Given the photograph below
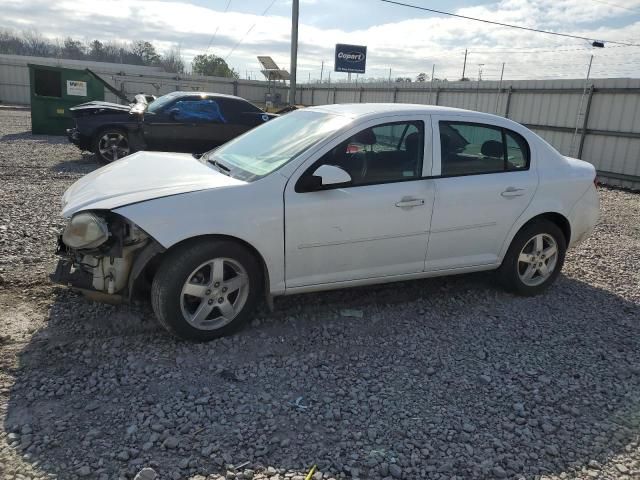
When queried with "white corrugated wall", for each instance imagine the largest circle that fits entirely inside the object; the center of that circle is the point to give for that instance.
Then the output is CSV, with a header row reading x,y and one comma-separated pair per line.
x,y
552,108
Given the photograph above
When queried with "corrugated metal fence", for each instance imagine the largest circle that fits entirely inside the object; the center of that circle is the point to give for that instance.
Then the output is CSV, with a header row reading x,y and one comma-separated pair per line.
x,y
598,121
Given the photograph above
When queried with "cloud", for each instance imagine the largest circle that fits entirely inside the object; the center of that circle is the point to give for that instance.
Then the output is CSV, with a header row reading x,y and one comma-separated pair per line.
x,y
407,46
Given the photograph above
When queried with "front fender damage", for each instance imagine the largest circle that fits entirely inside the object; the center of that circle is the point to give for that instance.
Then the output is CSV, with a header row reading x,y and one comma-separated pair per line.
x,y
111,272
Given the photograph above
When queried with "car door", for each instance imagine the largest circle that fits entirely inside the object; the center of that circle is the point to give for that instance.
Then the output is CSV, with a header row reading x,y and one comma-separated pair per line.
x,y
170,129
481,188
240,116
375,226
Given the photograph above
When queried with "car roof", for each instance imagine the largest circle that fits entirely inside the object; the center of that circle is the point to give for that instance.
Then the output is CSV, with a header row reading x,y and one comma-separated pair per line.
x,y
357,110
205,94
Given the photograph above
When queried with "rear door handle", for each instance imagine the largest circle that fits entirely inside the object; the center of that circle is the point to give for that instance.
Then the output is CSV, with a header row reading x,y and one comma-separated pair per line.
x,y
410,202
513,192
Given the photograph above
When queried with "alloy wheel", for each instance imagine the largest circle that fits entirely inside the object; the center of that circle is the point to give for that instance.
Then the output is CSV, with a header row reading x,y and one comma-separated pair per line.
x,y
537,260
214,293
113,145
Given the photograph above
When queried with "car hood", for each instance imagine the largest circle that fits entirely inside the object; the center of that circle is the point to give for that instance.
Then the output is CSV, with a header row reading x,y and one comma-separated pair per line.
x,y
139,177
98,105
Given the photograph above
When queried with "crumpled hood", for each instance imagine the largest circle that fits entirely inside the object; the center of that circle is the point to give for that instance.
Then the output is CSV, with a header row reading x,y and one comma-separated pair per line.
x,y
139,177
100,106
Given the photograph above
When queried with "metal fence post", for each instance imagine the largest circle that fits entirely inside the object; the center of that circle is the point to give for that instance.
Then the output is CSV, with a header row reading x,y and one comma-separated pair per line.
x,y
437,95
335,93
235,88
506,110
585,122
395,94
361,92
313,91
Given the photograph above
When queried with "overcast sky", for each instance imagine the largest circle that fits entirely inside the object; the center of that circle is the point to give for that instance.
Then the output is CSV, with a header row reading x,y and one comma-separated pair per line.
x,y
406,40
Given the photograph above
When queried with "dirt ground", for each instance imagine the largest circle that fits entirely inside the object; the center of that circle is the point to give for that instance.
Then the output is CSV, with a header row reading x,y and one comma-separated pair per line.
x,y
442,378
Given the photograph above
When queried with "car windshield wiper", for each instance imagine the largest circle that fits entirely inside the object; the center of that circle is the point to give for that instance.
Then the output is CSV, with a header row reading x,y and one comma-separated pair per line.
x,y
222,168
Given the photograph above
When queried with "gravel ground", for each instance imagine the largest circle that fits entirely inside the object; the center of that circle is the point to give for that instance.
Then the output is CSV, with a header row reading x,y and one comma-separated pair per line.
x,y
442,378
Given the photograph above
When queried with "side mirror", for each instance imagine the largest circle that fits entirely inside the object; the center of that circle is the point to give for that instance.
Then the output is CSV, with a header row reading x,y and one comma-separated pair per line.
x,y
324,176
332,175
173,113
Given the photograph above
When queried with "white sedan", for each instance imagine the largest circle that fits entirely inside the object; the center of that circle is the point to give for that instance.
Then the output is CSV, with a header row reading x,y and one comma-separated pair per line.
x,y
324,198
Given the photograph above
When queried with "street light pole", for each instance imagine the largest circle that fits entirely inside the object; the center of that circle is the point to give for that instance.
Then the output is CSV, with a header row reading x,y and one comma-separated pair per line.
x,y
295,4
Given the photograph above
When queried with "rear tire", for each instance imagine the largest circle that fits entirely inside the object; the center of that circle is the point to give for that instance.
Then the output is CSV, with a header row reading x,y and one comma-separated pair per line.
x,y
111,144
206,289
534,259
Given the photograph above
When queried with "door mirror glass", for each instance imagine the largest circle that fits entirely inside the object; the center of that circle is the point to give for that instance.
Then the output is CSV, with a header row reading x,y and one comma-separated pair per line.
x,y
332,175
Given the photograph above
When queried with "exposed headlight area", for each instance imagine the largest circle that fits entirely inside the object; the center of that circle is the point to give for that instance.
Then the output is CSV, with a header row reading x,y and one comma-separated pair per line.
x,y
98,250
85,231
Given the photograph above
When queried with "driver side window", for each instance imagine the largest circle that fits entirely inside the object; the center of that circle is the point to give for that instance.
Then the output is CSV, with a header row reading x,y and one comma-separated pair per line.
x,y
201,110
385,153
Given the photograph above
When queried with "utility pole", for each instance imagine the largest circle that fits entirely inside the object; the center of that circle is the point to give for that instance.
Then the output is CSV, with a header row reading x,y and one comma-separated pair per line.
x,y
588,72
295,4
464,66
499,88
579,114
433,70
478,85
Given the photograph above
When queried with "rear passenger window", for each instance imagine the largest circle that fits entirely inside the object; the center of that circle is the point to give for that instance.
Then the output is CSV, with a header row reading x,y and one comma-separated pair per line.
x,y
517,151
472,149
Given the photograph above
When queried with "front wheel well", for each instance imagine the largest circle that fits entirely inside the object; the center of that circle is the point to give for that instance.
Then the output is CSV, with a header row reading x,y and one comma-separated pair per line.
x,y
145,278
558,219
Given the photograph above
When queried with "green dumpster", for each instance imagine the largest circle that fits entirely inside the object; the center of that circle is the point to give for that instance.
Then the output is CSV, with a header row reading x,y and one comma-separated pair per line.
x,y
53,91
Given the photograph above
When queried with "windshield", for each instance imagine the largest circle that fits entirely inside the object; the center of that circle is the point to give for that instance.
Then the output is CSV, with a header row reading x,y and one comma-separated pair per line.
x,y
159,103
269,146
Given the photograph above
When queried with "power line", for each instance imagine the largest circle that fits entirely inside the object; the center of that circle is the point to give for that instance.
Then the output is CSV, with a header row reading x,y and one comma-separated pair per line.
x,y
528,50
249,31
616,5
217,28
505,24
532,51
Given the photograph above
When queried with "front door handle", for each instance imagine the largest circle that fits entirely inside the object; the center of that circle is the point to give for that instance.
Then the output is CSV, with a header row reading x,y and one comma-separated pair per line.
x,y
408,202
513,192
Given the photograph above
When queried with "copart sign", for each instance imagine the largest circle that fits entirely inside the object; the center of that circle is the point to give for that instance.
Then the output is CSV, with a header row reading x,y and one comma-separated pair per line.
x,y
350,58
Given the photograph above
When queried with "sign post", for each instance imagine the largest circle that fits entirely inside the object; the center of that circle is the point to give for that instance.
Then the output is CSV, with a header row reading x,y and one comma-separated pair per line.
x,y
350,58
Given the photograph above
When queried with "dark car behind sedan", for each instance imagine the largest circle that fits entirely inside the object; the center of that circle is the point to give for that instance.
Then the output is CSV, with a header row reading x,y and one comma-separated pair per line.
x,y
191,122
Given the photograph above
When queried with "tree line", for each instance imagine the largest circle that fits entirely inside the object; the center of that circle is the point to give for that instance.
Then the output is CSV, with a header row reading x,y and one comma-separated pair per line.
x,y
140,52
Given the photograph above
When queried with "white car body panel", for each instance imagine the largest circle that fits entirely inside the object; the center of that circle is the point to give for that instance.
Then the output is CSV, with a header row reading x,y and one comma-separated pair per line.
x,y
354,235
250,212
461,233
357,233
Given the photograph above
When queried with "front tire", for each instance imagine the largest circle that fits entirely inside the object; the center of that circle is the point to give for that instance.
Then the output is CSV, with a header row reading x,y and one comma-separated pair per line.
x,y
534,259
111,144
206,289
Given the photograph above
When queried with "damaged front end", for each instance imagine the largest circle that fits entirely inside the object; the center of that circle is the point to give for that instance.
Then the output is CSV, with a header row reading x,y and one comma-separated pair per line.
x,y
103,254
